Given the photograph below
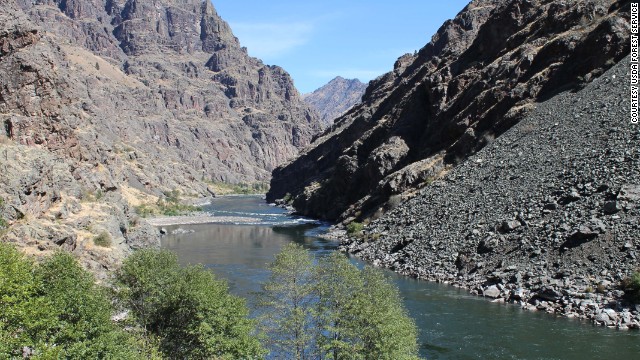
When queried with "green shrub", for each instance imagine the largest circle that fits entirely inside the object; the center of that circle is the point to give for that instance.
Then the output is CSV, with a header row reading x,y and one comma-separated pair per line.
x,y
172,196
103,239
189,311
631,287
354,228
144,210
56,310
91,196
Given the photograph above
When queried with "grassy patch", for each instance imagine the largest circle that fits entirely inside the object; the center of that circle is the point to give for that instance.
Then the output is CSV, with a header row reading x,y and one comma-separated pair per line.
x,y
221,188
631,287
91,196
170,206
103,240
355,228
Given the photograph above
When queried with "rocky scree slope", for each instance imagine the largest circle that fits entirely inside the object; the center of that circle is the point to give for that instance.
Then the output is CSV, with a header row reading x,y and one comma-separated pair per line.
x,y
477,78
105,105
335,98
547,215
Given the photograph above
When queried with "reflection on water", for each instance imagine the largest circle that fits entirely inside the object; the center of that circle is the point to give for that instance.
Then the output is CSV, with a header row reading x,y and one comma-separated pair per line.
x,y
453,324
239,253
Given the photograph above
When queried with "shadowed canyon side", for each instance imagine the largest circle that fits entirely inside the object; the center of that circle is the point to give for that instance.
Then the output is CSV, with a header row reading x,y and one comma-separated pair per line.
x,y
546,216
107,104
335,98
478,77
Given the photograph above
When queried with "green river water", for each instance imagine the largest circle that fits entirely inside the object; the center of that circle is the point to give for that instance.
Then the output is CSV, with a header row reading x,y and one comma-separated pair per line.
x,y
452,323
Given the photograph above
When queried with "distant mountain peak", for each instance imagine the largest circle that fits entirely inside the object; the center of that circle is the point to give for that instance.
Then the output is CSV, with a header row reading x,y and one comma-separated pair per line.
x,y
335,98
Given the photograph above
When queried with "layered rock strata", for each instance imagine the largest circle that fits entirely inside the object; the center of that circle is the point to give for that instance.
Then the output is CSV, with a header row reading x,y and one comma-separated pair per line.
x,y
474,80
106,105
546,216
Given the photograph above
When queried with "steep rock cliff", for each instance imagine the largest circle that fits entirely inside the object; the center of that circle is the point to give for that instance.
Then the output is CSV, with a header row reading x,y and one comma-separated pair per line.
x,y
474,80
106,104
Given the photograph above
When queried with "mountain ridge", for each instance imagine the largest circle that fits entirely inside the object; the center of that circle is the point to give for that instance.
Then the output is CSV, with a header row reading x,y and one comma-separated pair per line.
x,y
335,98
110,105
473,81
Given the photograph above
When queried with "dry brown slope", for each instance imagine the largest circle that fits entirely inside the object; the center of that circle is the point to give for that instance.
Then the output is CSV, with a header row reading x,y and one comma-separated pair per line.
x,y
106,104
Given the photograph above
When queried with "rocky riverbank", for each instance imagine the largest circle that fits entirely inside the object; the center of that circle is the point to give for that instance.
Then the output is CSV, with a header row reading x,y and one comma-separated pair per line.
x,y
545,216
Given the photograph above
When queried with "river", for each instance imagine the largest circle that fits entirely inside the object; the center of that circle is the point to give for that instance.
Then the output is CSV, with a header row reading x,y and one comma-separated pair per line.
x,y
452,323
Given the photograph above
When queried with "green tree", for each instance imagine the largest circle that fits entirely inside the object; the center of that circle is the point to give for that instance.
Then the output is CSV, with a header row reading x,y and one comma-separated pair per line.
x,y
333,310
17,289
81,312
360,314
190,312
55,311
288,300
340,290
387,331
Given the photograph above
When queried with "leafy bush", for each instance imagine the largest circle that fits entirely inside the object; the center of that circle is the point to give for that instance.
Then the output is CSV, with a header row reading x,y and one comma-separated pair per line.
x,y
144,210
103,240
354,228
191,313
631,287
55,310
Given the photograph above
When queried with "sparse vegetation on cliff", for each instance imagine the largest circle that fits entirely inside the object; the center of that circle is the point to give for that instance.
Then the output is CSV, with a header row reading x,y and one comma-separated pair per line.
x,y
103,239
355,228
170,205
221,188
631,287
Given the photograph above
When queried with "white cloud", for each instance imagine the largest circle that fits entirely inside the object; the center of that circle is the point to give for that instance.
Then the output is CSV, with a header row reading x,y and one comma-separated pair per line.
x,y
272,40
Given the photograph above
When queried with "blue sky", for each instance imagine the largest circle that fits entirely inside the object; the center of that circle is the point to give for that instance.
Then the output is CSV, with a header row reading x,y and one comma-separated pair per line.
x,y
316,41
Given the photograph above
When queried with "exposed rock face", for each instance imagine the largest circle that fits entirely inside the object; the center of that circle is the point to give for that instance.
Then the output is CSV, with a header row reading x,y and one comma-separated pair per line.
x,y
472,82
547,215
335,98
133,96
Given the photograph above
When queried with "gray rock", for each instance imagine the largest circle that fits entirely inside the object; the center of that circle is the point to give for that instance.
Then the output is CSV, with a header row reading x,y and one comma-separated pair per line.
x,y
491,291
510,225
611,207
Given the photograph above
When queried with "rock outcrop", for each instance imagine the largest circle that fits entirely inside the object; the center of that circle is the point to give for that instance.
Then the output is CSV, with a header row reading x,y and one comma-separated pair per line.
x,y
335,98
477,78
546,215
106,104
